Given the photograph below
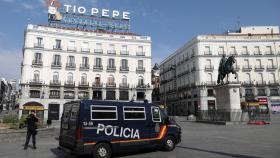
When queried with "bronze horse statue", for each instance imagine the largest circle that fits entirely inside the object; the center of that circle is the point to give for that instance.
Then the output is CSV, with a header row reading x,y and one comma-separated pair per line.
x,y
226,67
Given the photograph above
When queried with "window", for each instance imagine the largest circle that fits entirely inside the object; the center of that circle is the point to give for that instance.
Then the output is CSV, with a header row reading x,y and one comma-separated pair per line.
x,y
70,78
124,48
141,81
210,92
97,79
39,41
71,45
134,113
111,80
38,58
85,62
55,77
71,61
140,64
270,62
246,62
84,79
221,50
111,63
111,47
268,50
257,50
85,47
244,50
98,46
124,80
232,50
98,62
56,60
57,44
124,63
36,76
99,112
156,114
207,50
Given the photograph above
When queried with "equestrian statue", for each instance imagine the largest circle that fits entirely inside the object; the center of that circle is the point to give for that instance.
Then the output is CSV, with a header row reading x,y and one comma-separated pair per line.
x,y
226,67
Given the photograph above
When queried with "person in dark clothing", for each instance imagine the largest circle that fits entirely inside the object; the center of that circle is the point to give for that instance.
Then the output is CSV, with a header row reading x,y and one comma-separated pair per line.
x,y
31,129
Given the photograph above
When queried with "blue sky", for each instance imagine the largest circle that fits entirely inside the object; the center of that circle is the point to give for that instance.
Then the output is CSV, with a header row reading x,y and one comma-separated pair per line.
x,y
170,23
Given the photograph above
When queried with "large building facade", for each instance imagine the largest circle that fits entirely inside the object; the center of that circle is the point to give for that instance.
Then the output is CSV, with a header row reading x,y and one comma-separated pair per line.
x,y
189,75
63,64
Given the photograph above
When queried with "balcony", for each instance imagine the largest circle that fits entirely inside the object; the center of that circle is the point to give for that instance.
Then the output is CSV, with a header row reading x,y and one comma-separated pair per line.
x,y
54,96
69,96
111,68
140,69
210,83
84,67
233,53
97,85
271,67
69,84
112,52
259,68
247,83
209,68
247,68
85,50
207,53
140,53
55,83
221,53
142,86
71,49
84,84
269,53
34,94
123,85
257,53
83,95
273,83
98,51
38,45
124,53
245,53
97,67
124,69
111,85
56,65
236,67
57,48
35,82
260,83
70,66
37,63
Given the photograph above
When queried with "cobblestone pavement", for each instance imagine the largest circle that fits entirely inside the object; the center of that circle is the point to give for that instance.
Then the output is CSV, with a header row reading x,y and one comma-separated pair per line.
x,y
199,141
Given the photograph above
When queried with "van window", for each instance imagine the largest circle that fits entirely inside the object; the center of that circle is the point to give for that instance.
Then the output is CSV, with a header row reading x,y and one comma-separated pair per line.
x,y
99,112
134,113
156,114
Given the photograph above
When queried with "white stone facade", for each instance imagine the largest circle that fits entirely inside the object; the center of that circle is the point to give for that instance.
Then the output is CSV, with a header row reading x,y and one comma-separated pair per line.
x,y
103,66
190,73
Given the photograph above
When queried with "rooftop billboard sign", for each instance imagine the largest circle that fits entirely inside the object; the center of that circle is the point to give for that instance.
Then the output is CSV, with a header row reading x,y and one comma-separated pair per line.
x,y
94,18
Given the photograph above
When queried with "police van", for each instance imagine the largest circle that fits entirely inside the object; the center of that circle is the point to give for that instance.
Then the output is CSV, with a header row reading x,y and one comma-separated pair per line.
x,y
102,127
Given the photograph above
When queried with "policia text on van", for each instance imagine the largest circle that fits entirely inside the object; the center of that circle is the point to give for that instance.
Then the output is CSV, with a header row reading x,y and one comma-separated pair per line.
x,y
100,127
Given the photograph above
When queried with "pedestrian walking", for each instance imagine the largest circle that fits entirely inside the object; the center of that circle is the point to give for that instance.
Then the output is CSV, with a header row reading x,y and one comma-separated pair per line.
x,y
31,121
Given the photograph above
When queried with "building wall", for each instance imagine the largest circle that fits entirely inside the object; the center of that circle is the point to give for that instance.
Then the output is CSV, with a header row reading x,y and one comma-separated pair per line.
x,y
196,67
47,70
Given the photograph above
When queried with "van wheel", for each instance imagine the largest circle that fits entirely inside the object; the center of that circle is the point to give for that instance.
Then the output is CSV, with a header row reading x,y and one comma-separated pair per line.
x,y
169,143
102,150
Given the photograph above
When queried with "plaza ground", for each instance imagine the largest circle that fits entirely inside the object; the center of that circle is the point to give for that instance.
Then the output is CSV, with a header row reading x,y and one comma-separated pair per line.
x,y
199,141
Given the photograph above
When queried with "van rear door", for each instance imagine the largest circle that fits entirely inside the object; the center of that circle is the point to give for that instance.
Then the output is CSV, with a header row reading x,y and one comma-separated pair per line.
x,y
69,122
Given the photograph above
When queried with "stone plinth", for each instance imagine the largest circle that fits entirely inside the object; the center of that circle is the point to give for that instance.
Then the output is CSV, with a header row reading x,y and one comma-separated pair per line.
x,y
228,102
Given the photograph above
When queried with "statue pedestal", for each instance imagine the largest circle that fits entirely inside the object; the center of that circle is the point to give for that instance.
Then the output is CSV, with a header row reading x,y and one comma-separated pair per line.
x,y
228,102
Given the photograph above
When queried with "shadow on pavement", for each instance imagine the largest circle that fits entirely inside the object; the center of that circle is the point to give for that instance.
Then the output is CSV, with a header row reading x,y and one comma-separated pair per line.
x,y
219,153
60,154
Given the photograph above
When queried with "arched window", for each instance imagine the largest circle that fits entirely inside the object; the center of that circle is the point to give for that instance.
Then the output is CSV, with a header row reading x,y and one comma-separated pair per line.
x,y
260,78
97,79
247,77
140,81
70,78
111,80
36,76
55,77
124,80
209,78
84,79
